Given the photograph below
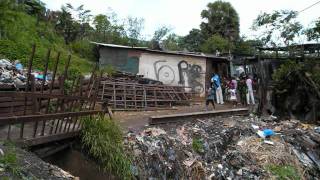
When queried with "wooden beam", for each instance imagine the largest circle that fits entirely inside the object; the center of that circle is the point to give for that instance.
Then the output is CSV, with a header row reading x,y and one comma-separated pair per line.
x,y
33,118
47,139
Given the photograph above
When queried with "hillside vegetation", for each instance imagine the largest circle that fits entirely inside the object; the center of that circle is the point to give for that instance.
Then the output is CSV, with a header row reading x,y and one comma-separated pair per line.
x,y
21,30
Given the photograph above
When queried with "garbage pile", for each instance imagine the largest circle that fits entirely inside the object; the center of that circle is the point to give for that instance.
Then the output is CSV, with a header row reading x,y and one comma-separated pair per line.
x,y
226,148
13,75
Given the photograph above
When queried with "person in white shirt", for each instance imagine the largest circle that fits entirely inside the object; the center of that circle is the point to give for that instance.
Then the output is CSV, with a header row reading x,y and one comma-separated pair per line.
x,y
250,91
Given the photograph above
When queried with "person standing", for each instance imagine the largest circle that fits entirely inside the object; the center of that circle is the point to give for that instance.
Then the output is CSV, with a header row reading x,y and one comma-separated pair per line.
x,y
250,91
242,89
217,84
233,91
210,98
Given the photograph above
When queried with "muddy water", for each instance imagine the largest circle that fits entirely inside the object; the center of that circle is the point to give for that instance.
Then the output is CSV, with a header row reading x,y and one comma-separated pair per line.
x,y
78,165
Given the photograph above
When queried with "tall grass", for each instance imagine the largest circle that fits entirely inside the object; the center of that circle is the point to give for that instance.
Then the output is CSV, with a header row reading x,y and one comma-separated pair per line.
x,y
103,139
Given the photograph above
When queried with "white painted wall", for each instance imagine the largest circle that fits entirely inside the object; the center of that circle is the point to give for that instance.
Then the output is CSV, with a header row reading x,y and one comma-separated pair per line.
x,y
165,68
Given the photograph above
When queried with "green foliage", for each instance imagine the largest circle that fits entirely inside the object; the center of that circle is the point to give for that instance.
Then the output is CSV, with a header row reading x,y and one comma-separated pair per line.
x,y
283,172
222,19
134,28
103,139
278,25
217,43
158,36
173,42
281,73
84,49
110,70
21,34
313,33
9,162
193,40
197,145
247,47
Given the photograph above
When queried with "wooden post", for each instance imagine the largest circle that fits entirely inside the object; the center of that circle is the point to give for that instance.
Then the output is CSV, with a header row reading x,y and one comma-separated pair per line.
x,y
124,96
11,111
35,106
145,97
27,87
45,70
114,96
50,90
135,96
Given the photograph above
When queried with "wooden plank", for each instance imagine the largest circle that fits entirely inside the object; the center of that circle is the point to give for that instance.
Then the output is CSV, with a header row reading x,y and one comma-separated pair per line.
x,y
48,139
33,118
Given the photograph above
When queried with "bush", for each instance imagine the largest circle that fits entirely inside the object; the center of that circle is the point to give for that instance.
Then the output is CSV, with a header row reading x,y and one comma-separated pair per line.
x,y
103,139
84,49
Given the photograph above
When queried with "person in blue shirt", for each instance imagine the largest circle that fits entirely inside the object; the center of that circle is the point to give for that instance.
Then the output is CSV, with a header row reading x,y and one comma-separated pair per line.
x,y
217,84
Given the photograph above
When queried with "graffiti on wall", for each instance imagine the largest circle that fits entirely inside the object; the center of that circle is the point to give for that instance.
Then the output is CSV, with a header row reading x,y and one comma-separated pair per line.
x,y
164,72
187,74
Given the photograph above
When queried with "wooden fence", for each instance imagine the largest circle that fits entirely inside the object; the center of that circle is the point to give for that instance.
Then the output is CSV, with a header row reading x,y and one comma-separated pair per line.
x,y
134,96
44,113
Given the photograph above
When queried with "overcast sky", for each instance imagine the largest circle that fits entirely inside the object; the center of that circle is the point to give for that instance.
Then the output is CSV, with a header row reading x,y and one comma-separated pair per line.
x,y
183,15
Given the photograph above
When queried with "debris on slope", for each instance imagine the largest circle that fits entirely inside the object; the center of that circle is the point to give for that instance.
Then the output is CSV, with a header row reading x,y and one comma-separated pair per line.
x,y
224,148
14,75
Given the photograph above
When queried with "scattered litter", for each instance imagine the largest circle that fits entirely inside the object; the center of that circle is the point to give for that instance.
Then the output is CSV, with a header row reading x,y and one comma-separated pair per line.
x,y
268,132
317,129
268,142
261,134
15,76
224,148
255,127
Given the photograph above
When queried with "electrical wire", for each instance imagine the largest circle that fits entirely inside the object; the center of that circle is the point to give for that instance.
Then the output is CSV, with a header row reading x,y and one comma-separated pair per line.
x,y
309,7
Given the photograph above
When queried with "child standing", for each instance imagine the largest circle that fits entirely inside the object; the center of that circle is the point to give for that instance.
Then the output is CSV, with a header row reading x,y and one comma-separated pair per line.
x,y
233,91
210,97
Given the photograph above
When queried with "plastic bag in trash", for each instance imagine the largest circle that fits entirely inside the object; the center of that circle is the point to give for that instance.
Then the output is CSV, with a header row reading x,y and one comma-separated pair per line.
x,y
5,64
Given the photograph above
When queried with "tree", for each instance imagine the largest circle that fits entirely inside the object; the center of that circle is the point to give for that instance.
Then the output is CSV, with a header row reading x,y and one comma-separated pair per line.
x,y
36,8
217,44
220,19
278,28
246,47
83,18
173,42
193,41
102,26
158,35
313,33
134,28
66,26
7,15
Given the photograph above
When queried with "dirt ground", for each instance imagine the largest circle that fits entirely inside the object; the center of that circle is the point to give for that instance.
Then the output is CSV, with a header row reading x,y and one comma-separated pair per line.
x,y
136,120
